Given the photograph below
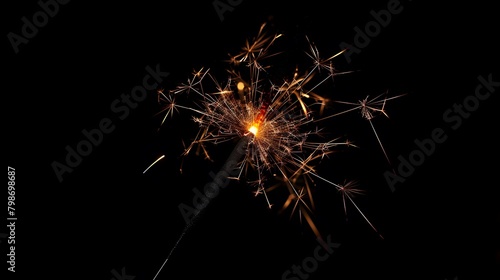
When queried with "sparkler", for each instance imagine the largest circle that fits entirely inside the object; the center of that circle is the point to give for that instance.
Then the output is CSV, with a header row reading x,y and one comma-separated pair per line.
x,y
279,115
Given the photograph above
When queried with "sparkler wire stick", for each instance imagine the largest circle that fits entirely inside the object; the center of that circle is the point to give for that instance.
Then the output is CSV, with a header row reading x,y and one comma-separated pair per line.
x,y
229,166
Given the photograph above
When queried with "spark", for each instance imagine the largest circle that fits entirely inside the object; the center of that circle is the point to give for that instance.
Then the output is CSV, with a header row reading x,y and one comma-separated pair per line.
x,y
281,114
154,162
368,108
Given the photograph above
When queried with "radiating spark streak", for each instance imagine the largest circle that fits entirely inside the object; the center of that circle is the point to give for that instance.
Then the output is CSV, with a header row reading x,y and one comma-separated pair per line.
x,y
158,159
366,219
379,142
312,225
297,201
326,180
309,193
266,197
336,114
345,207
318,84
261,188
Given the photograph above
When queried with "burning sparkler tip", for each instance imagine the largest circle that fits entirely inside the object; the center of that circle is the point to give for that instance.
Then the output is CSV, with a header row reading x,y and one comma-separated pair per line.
x,y
254,129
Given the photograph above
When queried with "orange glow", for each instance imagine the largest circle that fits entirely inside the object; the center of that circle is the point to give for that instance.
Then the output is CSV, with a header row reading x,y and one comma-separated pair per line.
x,y
240,86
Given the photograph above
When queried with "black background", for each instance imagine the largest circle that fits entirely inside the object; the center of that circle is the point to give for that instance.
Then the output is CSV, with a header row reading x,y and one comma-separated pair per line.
x,y
106,215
